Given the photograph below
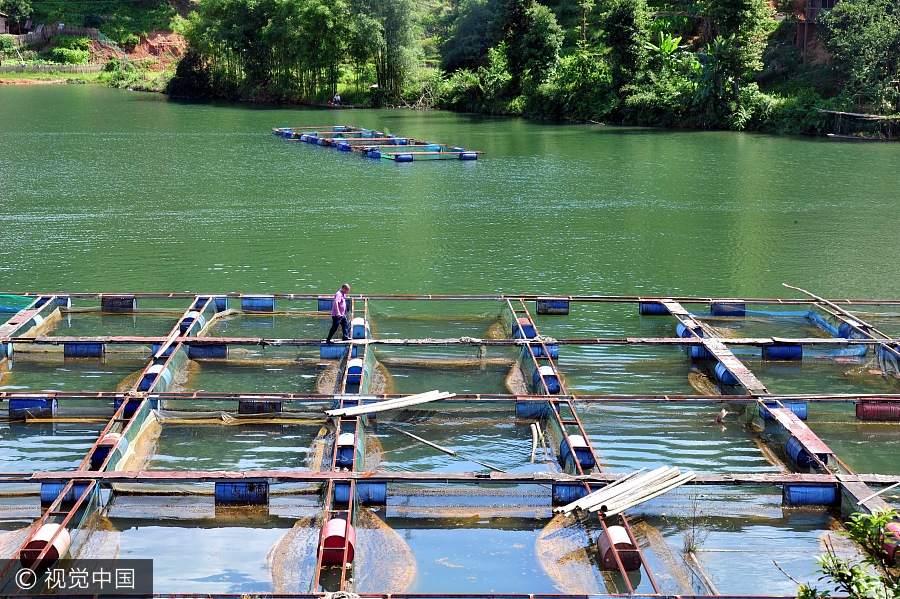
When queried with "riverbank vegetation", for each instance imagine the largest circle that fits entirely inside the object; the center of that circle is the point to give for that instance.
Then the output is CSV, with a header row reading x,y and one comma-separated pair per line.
x,y
684,63
717,64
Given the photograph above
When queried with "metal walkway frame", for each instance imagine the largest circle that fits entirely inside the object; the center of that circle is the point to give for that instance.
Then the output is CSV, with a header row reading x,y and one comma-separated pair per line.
x,y
78,489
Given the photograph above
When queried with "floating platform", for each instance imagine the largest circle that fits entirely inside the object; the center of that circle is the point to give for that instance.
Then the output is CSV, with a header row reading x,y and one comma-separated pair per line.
x,y
376,144
223,418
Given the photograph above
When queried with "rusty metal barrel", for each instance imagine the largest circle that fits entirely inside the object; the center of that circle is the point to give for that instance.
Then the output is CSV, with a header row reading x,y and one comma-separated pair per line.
x,y
878,411
617,536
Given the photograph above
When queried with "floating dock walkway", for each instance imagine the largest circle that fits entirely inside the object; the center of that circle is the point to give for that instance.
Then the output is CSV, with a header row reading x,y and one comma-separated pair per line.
x,y
375,144
540,394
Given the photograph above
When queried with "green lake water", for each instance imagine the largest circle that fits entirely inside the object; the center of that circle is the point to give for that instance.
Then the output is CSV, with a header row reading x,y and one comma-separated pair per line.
x,y
111,191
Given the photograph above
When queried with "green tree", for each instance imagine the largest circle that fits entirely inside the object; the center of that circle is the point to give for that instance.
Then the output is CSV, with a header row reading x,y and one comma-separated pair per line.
x,y
391,43
864,38
540,45
624,32
470,36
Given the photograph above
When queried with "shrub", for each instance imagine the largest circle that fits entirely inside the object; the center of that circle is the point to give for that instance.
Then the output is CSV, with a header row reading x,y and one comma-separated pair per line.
x,y
72,43
130,39
68,56
6,43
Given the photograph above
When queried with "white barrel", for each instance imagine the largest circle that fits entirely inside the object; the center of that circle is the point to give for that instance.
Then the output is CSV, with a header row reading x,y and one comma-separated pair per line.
x,y
55,548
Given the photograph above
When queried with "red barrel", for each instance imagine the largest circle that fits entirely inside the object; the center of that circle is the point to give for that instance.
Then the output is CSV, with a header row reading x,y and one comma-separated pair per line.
x,y
43,539
878,411
617,536
891,541
337,541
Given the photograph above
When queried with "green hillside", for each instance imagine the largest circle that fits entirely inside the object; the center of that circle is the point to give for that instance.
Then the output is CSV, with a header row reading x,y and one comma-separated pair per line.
x,y
735,64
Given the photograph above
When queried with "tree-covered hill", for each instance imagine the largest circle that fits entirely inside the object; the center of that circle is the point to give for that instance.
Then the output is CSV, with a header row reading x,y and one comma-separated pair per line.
x,y
738,64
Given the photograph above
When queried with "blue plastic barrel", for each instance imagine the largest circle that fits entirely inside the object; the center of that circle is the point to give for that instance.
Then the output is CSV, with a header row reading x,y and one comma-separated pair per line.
x,y
218,351
258,303
403,158
468,156
355,370
158,375
782,352
797,407
22,407
359,328
107,445
727,308
549,377
242,493
552,305
801,456
725,375
372,493
552,350
847,331
346,450
576,447
341,492
343,146
50,491
652,309
84,350
688,333
531,409
402,142
523,328
187,324
564,493
332,352
810,494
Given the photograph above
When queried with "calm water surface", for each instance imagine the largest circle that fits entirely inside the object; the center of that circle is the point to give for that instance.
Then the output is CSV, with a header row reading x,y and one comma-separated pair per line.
x,y
107,190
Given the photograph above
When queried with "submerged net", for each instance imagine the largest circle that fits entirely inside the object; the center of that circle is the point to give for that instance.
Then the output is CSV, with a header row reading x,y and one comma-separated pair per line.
x,y
14,303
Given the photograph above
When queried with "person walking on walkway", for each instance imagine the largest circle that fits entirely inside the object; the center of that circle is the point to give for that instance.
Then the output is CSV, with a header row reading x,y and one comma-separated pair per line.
x,y
339,314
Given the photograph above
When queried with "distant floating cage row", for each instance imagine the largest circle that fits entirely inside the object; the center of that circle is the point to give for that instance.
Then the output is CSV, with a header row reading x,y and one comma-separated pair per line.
x,y
375,144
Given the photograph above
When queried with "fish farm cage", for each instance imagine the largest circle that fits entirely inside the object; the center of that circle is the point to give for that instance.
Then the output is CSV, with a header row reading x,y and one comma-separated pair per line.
x,y
371,143
456,446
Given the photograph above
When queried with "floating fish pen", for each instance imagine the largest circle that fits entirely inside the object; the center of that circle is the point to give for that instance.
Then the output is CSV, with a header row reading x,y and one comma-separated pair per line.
x,y
502,445
375,144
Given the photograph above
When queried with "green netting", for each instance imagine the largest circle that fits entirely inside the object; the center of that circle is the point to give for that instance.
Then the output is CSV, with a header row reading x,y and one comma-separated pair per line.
x,y
13,303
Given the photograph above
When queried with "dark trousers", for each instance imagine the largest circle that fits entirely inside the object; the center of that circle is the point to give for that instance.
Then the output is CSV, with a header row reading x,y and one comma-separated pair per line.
x,y
339,321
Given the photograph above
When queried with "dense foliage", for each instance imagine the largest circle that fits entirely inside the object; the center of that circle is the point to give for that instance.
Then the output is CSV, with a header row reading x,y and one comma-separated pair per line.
x,y
677,63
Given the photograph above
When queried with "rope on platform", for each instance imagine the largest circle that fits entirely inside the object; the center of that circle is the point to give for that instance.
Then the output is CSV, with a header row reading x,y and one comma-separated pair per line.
x,y
341,595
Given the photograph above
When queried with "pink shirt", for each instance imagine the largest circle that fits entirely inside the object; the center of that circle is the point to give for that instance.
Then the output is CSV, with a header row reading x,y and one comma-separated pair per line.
x,y
338,306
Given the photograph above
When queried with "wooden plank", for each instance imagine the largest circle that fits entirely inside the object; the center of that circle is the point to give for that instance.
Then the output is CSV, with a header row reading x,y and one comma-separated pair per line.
x,y
797,428
18,320
746,378
860,494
